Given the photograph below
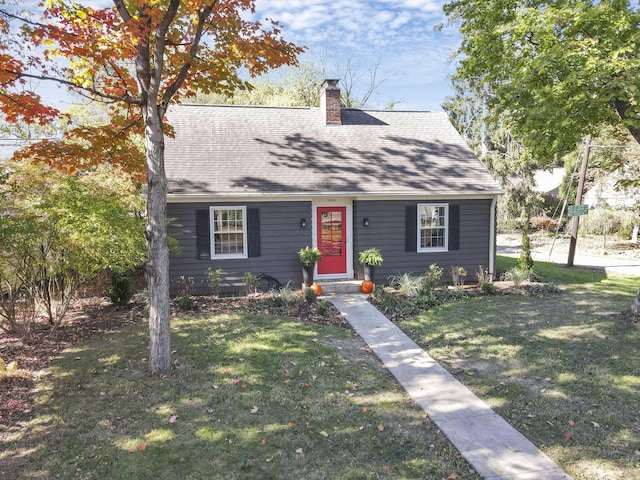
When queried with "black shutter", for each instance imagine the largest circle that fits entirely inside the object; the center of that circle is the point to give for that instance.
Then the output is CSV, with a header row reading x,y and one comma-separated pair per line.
x,y
203,234
411,228
253,232
454,227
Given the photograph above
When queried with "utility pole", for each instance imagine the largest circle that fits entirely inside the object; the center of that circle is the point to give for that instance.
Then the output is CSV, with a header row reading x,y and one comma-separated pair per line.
x,y
576,219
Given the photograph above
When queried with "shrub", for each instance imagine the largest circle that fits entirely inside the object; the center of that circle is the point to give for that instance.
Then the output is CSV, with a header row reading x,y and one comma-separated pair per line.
x,y
120,291
434,275
525,262
251,282
324,308
184,286
288,294
186,302
429,300
488,288
483,275
407,284
215,279
544,222
458,275
310,296
517,276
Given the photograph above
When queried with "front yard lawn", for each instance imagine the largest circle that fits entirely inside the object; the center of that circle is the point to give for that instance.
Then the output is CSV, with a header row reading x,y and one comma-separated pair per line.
x,y
564,369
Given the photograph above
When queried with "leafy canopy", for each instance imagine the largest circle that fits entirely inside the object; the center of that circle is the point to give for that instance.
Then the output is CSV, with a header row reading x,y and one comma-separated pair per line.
x,y
556,69
134,54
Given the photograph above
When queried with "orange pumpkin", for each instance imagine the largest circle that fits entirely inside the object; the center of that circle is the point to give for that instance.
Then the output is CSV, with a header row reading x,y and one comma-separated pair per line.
x,y
316,288
367,286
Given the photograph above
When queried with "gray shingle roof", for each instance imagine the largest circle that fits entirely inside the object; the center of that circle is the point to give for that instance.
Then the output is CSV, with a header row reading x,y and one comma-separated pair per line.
x,y
237,151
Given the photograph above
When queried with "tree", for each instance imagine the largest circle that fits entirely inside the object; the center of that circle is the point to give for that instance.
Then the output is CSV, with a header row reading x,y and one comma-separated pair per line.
x,y
143,55
301,86
504,156
559,70
59,230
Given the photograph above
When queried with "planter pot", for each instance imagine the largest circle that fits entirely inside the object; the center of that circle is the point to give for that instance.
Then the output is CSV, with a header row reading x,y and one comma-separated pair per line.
x,y
369,271
307,275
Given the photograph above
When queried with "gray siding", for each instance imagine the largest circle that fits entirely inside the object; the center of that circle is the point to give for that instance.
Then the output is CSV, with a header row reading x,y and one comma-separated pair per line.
x,y
386,231
280,239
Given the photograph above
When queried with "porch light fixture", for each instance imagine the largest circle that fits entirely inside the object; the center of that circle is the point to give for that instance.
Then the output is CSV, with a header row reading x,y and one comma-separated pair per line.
x,y
303,223
365,221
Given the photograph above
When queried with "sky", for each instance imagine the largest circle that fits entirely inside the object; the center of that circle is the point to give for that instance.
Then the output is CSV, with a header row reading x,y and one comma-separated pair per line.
x,y
414,57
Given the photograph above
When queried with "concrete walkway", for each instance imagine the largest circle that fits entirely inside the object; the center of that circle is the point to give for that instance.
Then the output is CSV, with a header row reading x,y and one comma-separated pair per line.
x,y
493,447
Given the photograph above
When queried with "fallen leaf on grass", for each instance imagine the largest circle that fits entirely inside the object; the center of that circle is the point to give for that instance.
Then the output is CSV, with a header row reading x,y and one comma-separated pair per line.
x,y
571,422
254,409
324,434
365,409
595,424
235,381
298,450
568,435
453,476
264,441
173,418
381,428
142,448
227,371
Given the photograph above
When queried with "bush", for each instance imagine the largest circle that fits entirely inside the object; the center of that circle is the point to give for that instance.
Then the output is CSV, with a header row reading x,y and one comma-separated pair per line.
x,y
458,275
310,296
324,308
215,279
120,291
517,276
544,222
525,262
488,287
407,284
434,275
251,282
186,302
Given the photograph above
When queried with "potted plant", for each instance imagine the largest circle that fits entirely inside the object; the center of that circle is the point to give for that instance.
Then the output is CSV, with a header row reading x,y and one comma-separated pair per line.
x,y
370,259
309,256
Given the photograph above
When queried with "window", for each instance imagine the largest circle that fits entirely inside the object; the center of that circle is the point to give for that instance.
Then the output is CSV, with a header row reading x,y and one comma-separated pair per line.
x,y
228,232
433,223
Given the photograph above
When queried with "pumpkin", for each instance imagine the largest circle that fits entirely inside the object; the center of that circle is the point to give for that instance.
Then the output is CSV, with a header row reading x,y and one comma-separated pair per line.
x,y
316,288
366,286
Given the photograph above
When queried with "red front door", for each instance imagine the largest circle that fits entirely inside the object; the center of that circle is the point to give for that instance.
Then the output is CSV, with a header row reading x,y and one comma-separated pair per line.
x,y
332,240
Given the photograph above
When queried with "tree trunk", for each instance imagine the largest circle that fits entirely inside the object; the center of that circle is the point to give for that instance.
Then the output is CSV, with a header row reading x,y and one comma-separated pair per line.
x,y
635,308
157,247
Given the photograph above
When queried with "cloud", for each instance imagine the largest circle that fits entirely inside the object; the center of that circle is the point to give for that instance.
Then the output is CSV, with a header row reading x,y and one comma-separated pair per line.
x,y
398,33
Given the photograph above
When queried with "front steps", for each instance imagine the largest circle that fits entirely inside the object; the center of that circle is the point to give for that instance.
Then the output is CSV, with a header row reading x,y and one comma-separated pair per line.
x,y
330,287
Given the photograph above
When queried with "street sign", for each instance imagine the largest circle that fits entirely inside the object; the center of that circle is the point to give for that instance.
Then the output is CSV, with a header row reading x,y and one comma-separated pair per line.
x,y
577,210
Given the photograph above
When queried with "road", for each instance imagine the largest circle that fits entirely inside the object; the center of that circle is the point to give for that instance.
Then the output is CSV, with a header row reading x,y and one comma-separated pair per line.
x,y
624,264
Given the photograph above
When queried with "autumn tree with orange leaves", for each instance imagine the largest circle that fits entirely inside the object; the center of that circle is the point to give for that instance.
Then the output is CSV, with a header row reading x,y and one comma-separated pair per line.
x,y
138,56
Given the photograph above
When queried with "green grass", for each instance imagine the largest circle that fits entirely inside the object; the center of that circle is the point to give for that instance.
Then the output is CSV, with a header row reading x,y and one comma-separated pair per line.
x,y
563,369
251,396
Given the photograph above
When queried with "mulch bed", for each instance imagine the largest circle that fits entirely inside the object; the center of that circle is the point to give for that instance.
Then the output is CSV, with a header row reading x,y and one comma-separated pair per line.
x,y
88,317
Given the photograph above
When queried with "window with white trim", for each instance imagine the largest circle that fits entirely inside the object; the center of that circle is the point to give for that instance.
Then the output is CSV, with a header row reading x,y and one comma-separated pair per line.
x,y
433,227
228,232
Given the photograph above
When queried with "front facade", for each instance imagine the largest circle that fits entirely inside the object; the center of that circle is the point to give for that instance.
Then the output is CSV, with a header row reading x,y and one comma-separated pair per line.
x,y
250,186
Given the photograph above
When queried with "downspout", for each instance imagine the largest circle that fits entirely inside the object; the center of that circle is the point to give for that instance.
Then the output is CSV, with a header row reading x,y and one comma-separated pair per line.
x,y
492,237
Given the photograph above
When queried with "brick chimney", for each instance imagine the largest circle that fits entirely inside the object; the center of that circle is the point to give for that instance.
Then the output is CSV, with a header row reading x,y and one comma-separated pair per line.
x,y
330,102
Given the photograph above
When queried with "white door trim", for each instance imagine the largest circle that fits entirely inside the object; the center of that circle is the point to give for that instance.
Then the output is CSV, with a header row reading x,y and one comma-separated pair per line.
x,y
335,202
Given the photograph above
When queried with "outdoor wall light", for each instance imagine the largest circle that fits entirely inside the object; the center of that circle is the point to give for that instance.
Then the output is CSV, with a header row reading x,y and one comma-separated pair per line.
x,y
303,223
365,221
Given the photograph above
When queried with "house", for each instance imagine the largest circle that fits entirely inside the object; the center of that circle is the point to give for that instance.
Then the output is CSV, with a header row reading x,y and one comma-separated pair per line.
x,y
248,187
